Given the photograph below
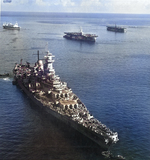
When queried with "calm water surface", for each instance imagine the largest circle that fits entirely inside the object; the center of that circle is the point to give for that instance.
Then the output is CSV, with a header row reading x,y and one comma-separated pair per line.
x,y
110,76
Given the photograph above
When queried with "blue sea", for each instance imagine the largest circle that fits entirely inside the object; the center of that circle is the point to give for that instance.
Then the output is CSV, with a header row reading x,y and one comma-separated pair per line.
x,y
110,76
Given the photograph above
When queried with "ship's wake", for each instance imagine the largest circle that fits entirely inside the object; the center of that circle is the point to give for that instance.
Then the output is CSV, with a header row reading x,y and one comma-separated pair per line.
x,y
6,79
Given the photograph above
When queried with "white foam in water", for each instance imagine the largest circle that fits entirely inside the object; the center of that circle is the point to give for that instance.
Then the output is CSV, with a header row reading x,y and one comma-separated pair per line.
x,y
6,79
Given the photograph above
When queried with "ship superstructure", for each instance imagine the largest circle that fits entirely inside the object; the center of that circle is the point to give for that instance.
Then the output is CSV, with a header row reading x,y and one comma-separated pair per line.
x,y
80,36
46,89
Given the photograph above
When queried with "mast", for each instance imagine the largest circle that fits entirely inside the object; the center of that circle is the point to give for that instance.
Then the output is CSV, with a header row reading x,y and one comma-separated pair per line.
x,y
38,55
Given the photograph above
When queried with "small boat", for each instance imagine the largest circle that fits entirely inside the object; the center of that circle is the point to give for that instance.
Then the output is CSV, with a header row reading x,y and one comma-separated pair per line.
x,y
4,75
11,26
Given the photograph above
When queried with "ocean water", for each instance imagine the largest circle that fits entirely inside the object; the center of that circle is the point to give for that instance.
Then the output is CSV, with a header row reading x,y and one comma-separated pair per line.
x,y
110,76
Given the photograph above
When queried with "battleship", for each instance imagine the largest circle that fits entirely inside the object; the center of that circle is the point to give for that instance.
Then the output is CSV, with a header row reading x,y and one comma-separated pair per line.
x,y
48,92
11,26
116,29
80,36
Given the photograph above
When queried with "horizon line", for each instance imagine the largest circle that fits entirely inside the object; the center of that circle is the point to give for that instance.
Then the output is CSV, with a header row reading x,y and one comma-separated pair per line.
x,y
76,12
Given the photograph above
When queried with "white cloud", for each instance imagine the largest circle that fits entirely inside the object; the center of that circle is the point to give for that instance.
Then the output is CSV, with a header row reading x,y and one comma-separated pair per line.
x,y
90,6
67,3
19,1
99,6
130,6
63,3
41,3
90,3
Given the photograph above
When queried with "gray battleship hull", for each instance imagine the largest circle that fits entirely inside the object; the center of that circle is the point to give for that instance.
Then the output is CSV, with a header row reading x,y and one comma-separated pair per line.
x,y
98,139
48,92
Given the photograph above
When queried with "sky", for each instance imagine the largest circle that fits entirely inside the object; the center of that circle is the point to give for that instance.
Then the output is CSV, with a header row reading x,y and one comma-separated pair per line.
x,y
81,6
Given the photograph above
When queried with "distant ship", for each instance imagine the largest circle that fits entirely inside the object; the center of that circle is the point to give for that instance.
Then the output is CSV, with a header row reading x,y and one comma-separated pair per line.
x,y
116,29
11,26
4,75
47,91
80,36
